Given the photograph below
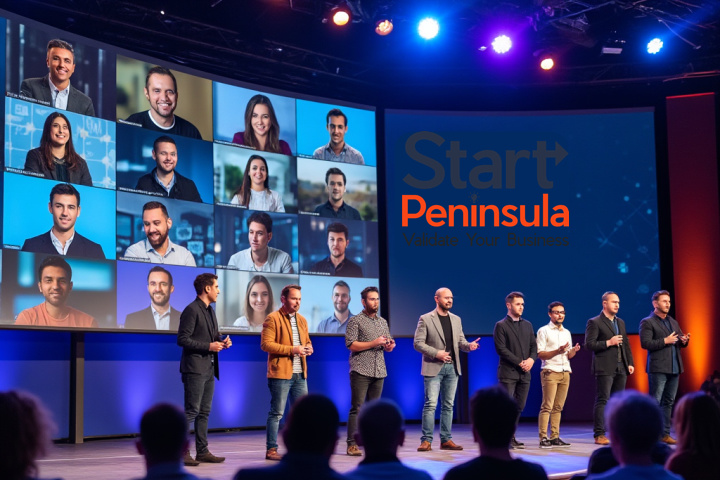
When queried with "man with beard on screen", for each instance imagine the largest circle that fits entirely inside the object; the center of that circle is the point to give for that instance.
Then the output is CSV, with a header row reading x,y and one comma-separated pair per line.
x,y
159,315
157,247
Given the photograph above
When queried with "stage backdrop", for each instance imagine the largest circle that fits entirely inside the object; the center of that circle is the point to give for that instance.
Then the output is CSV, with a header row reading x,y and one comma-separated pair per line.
x,y
558,205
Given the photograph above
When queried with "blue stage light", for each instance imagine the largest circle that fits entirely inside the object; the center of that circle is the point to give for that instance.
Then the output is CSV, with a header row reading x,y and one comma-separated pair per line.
x,y
502,44
428,28
654,46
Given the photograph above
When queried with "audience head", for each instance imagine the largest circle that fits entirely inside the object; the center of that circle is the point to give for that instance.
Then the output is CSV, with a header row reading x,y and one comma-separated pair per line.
x,y
496,430
697,424
312,426
634,423
380,428
163,434
25,434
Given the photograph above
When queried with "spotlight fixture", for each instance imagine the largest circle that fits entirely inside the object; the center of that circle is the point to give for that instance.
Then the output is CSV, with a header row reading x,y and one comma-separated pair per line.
x,y
428,28
383,27
547,63
341,15
654,46
502,44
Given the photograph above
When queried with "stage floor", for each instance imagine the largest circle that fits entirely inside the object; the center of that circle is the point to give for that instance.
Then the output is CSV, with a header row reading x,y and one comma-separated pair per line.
x,y
118,459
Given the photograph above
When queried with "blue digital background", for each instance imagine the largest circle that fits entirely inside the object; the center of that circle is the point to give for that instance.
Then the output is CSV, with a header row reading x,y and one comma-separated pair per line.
x,y
27,215
134,158
93,138
230,102
607,181
312,129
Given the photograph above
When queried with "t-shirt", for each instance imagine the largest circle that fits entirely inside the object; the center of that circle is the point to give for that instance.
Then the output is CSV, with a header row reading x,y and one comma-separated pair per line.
x,y
38,315
181,126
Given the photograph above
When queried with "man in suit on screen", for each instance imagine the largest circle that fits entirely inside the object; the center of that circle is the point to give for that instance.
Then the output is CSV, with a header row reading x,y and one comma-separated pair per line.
x,y
62,239
439,337
159,315
55,88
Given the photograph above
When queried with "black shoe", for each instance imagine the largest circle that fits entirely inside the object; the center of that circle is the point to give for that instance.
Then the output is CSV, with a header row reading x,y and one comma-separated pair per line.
x,y
558,442
208,457
188,461
545,443
515,445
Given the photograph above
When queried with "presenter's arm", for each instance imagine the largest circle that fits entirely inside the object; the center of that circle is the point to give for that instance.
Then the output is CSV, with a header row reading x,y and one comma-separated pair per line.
x,y
626,344
421,338
268,338
647,337
188,321
591,337
500,340
462,342
533,344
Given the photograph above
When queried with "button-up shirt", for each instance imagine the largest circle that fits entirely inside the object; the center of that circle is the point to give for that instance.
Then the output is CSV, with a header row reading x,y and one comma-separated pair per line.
x,y
167,188
162,320
345,211
62,250
59,97
551,337
333,325
347,155
346,268
363,328
174,255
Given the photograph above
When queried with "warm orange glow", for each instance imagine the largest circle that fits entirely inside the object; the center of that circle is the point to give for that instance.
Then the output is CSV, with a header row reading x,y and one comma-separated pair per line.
x,y
384,27
639,379
340,18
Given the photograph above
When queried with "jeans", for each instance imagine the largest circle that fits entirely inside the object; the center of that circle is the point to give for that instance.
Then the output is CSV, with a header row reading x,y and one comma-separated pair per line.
x,y
279,389
663,387
605,386
361,387
199,390
445,383
518,390
554,389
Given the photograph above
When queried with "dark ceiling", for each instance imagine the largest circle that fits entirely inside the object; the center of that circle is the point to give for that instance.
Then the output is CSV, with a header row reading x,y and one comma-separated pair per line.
x,y
285,44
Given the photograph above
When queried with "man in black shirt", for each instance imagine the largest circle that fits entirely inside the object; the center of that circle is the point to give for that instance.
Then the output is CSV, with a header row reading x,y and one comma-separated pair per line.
x,y
163,179
337,263
336,207
162,94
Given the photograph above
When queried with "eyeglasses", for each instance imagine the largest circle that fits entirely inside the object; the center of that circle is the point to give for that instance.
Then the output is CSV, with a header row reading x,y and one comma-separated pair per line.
x,y
558,313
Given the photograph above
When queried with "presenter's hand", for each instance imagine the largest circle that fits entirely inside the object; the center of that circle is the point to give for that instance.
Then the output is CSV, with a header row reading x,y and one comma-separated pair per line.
x,y
474,344
616,340
381,341
685,338
309,348
216,346
527,364
576,347
227,343
631,369
672,339
299,350
444,356
389,345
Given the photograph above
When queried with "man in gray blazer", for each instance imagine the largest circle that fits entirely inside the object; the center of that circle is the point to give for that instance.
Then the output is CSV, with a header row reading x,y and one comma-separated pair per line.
x,y
54,88
440,367
662,337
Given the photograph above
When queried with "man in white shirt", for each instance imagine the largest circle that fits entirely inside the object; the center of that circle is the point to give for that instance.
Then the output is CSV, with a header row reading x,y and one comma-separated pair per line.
x,y
259,257
555,350
157,247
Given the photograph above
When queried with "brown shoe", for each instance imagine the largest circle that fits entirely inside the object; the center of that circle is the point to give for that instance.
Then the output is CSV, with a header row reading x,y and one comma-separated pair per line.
x,y
188,461
354,451
272,454
208,457
602,440
425,446
450,445
669,440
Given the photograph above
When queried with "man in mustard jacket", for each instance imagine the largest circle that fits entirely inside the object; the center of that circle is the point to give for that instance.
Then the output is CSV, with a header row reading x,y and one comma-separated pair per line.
x,y
285,338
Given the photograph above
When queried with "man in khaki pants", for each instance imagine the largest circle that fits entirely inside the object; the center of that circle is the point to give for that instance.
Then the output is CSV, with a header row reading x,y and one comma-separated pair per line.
x,y
555,350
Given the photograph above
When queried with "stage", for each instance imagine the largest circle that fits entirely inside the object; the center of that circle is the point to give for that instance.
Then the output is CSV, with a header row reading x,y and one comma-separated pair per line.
x,y
118,459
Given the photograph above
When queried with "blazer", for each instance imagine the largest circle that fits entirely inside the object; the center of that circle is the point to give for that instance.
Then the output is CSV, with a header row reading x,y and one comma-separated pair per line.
x,y
39,89
277,340
513,345
652,339
183,189
430,339
80,246
198,329
35,162
144,320
597,331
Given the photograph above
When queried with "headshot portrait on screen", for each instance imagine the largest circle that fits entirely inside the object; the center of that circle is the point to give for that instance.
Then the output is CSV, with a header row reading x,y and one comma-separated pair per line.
x,y
162,95
337,322
55,284
258,304
337,150
164,179
55,89
157,247
262,131
260,257
159,315
56,158
336,207
62,238
255,192
338,239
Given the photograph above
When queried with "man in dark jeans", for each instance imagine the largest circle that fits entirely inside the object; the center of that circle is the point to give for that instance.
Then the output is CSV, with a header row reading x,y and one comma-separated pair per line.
x,y
606,337
367,336
201,341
